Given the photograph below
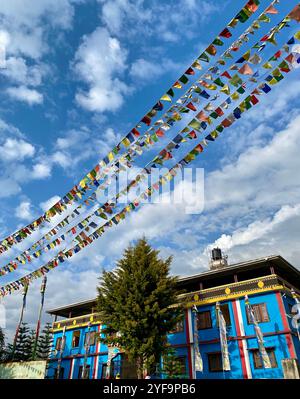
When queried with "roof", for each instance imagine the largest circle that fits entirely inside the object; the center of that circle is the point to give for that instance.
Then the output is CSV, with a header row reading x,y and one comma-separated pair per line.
x,y
210,278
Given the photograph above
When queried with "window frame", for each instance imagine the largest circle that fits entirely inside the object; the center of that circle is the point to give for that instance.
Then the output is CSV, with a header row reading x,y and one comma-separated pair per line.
x,y
257,360
87,370
261,318
209,355
58,343
222,306
210,320
93,335
73,336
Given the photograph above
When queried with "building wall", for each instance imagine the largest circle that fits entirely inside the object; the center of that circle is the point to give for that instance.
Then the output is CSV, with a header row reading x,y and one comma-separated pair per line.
x,y
241,341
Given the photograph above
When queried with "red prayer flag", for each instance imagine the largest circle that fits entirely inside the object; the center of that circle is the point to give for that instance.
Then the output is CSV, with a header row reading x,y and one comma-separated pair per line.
x,y
199,148
226,74
251,6
190,71
295,13
226,122
147,120
219,111
191,106
254,100
159,133
225,33
135,132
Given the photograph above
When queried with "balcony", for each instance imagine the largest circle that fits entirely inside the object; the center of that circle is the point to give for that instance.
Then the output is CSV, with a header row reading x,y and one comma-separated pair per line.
x,y
81,321
234,290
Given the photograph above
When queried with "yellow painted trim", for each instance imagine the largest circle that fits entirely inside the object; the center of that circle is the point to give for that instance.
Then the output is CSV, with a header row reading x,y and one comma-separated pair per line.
x,y
74,323
233,296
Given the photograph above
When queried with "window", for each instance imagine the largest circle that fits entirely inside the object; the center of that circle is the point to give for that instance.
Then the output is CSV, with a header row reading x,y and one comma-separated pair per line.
x,y
258,364
61,373
75,339
215,362
204,320
58,343
86,374
226,314
92,338
179,327
260,313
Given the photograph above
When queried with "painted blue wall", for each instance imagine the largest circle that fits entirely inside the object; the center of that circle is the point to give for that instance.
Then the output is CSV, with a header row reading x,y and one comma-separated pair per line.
x,y
211,335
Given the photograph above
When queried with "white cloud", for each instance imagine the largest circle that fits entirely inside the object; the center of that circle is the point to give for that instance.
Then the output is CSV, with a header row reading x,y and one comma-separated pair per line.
x,y
24,211
18,71
257,230
49,203
138,18
22,93
16,150
41,170
99,62
143,69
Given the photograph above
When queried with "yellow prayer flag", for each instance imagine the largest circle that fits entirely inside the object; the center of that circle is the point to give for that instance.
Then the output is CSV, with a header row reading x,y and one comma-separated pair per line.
x,y
225,89
273,82
235,96
110,157
165,97
267,65
297,35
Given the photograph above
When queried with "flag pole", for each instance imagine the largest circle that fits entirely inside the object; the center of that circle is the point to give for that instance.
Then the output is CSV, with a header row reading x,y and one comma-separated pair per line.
x,y
61,350
25,290
38,326
87,348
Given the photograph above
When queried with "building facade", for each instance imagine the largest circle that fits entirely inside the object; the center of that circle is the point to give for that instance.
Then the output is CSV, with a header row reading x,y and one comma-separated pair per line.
x,y
270,283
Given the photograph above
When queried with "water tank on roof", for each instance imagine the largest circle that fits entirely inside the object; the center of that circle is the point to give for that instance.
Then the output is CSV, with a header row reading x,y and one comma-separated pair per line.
x,y
216,254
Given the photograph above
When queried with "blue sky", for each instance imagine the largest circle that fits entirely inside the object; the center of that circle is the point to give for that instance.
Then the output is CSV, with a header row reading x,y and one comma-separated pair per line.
x,y
79,74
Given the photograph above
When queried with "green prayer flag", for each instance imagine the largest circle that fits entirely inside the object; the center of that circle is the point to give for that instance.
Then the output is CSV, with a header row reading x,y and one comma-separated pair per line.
x,y
195,124
170,92
264,18
219,82
218,42
204,57
183,79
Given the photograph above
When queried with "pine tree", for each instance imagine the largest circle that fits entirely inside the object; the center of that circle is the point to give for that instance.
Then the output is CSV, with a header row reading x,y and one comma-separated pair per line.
x,y
2,345
172,366
21,348
45,342
135,301
29,345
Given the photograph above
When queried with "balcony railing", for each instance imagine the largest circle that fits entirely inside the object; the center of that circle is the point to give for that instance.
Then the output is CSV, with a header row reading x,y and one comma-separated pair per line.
x,y
234,290
93,318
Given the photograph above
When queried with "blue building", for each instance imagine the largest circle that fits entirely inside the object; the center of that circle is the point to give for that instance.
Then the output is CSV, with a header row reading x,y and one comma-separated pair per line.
x,y
269,284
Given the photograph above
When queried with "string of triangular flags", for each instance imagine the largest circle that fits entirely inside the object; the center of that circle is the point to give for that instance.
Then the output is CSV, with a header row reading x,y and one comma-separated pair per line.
x,y
87,240
89,181
199,124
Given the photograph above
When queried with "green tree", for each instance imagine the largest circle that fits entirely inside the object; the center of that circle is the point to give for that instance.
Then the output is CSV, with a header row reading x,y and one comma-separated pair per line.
x,y
45,342
172,366
20,351
29,345
135,301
